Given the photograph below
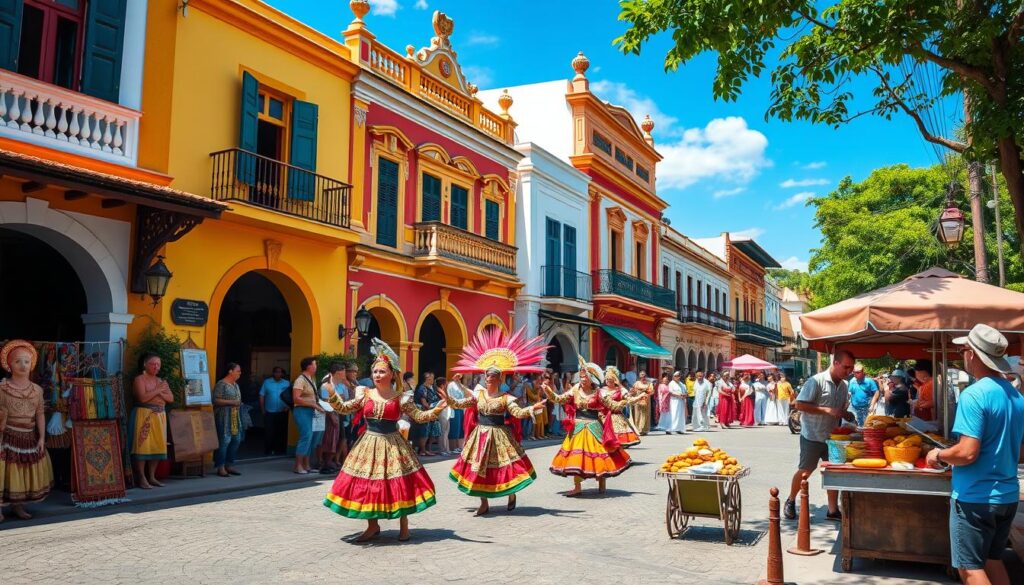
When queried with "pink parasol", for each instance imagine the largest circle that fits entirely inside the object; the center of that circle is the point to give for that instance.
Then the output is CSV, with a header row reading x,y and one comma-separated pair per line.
x,y
747,362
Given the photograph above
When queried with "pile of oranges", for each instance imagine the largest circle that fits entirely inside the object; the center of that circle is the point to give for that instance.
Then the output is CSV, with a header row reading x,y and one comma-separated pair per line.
x,y
701,452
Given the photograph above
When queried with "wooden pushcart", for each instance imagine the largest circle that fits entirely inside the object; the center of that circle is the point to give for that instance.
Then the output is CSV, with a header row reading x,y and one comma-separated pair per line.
x,y
696,495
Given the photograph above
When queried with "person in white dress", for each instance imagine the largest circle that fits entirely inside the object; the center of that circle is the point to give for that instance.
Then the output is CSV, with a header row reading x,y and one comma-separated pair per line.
x,y
772,412
702,391
676,406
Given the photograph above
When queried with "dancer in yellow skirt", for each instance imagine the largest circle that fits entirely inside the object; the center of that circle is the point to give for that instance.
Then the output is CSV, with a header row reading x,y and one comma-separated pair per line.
x,y
624,430
148,422
591,449
25,472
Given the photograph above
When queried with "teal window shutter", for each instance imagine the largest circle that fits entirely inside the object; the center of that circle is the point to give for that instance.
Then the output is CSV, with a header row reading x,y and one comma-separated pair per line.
x,y
492,219
569,261
245,165
431,198
460,207
387,202
10,33
552,257
302,184
104,43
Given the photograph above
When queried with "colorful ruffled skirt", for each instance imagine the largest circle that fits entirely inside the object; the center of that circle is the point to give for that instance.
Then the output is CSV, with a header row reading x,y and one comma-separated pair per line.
x,y
624,430
492,464
584,455
381,479
25,474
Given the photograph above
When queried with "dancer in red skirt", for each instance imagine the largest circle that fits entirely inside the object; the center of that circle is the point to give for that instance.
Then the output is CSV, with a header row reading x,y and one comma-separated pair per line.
x,y
493,464
726,411
382,478
745,393
625,432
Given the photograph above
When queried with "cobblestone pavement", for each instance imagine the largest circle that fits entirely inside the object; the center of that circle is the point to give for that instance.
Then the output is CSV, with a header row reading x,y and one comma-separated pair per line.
x,y
281,535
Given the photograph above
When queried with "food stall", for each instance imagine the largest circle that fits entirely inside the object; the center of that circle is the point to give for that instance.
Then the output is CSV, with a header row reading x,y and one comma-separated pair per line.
x,y
892,512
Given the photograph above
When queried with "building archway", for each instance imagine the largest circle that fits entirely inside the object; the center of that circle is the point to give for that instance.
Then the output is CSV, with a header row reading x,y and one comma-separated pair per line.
x,y
386,323
492,320
701,363
680,359
721,360
691,360
561,354
441,331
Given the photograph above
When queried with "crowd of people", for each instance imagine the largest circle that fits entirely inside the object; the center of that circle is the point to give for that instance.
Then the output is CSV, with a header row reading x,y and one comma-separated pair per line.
x,y
724,398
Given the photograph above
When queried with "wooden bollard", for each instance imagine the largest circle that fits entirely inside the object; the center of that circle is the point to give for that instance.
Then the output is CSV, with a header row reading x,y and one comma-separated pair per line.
x,y
774,573
803,530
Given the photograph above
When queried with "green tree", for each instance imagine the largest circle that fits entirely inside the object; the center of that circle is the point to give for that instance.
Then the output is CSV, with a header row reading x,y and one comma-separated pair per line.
x,y
881,230
795,279
914,52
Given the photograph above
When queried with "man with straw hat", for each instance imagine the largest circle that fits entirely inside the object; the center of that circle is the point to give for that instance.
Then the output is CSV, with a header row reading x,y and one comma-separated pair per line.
x,y
990,422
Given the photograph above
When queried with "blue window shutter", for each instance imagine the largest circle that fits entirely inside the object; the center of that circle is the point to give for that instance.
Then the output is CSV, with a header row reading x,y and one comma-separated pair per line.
x,y
492,227
387,202
569,261
302,184
431,198
245,165
10,33
552,257
460,208
104,43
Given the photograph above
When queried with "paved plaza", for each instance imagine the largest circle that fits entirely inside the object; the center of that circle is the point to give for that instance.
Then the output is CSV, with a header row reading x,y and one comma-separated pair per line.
x,y
283,534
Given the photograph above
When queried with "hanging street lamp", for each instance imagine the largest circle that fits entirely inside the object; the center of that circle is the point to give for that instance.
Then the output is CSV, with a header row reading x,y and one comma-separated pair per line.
x,y
157,279
951,223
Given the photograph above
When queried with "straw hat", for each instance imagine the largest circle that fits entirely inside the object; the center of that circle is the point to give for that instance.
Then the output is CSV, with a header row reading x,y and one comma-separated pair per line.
x,y
989,345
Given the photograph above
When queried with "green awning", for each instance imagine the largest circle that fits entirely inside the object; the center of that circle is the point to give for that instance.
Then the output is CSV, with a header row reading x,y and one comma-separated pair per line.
x,y
637,343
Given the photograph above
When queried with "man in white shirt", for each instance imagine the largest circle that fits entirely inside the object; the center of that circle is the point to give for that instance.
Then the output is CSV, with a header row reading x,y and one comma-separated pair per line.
x,y
676,405
701,398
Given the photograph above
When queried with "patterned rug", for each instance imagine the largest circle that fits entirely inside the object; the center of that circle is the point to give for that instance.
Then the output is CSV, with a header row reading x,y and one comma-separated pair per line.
x,y
97,469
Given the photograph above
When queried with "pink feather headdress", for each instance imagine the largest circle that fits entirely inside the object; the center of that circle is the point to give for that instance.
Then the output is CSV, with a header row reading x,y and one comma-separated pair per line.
x,y
491,348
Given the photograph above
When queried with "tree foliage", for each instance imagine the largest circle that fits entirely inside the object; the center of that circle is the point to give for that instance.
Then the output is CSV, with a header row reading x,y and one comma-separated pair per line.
x,y
881,230
796,280
914,52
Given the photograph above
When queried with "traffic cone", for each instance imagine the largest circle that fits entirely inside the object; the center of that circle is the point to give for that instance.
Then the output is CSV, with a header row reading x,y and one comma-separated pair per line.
x,y
774,573
803,530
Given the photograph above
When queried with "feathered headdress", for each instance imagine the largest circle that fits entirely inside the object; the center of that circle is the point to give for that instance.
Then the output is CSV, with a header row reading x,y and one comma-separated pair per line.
x,y
613,372
590,369
492,349
384,354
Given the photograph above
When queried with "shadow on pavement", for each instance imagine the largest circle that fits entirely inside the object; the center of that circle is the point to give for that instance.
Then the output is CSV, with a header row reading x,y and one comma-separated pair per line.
x,y
416,536
527,511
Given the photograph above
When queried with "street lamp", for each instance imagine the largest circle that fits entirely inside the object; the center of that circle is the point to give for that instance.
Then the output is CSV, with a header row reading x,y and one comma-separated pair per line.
x,y
157,279
951,222
362,319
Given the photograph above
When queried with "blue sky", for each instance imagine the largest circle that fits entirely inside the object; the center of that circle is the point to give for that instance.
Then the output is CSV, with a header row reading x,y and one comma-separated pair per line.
x,y
726,168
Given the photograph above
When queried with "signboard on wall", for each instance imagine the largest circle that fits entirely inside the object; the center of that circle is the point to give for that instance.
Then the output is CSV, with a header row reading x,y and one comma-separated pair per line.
x,y
189,312
195,368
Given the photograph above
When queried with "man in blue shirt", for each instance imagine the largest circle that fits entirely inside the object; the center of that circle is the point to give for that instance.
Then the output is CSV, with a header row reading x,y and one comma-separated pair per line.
x,y
863,394
275,412
990,422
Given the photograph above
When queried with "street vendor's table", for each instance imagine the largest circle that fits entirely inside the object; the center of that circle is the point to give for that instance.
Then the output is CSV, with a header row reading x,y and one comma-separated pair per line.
x,y
888,514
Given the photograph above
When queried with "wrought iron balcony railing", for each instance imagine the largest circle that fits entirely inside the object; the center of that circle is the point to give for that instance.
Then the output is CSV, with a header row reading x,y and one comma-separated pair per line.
x,y
240,175
435,239
751,332
618,283
566,282
704,316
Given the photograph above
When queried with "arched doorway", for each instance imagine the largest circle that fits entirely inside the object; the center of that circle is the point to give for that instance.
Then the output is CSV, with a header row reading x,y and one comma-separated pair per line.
x,y
442,335
432,354
720,361
42,295
561,355
701,363
691,360
255,331
680,359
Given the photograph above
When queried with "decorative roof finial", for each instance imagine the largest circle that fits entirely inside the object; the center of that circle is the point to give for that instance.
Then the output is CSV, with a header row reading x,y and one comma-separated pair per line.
x,y
647,125
580,64
505,102
360,8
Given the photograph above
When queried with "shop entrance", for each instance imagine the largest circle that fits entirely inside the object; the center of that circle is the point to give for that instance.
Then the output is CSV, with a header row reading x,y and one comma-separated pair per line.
x,y
432,354
561,355
254,330
43,297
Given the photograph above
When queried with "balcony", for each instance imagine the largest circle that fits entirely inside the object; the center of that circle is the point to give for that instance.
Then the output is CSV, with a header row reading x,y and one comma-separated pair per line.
x,y
55,117
240,175
565,282
433,239
613,282
703,316
751,332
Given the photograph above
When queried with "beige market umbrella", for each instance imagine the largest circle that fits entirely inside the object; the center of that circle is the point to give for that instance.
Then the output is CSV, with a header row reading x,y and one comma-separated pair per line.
x,y
904,320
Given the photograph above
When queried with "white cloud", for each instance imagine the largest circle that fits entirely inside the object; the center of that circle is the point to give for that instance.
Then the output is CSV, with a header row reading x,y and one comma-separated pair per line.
x,y
726,148
384,7
421,5
794,263
790,183
481,76
728,192
811,166
752,233
795,200
480,38
639,106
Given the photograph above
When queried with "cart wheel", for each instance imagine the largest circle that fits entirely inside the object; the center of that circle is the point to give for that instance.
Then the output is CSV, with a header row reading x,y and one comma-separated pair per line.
x,y
847,564
733,511
675,521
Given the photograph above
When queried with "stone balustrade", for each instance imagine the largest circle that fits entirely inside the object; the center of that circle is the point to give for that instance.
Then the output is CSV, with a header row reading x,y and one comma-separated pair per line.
x,y
434,239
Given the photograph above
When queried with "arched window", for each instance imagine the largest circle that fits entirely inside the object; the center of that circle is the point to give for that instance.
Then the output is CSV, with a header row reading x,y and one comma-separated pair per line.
x,y
611,357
